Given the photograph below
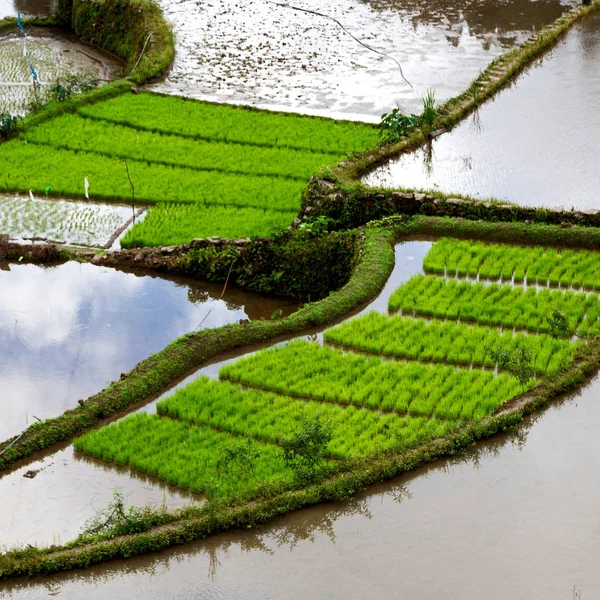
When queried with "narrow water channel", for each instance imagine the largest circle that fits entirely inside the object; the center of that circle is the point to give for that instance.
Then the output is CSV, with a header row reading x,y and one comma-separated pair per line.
x,y
534,144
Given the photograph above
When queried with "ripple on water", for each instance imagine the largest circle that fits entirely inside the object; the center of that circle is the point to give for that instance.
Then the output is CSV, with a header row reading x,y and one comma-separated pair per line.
x,y
534,144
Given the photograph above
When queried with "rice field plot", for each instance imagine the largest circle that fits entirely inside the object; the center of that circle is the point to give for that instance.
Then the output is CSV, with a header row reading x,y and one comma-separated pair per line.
x,y
72,132
78,223
223,123
270,417
170,224
180,454
179,153
316,372
496,305
446,341
536,265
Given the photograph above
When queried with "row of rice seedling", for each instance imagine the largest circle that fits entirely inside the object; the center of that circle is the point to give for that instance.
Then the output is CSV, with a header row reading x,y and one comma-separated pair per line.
x,y
270,417
76,133
180,454
171,224
577,268
497,304
32,167
323,373
448,341
226,123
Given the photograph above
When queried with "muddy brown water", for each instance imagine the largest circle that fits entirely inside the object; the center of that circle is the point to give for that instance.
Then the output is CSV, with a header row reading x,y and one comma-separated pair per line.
x,y
68,331
535,143
261,53
514,518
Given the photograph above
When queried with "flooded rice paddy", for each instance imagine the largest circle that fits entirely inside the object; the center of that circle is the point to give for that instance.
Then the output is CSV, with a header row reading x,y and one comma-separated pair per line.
x,y
262,53
68,331
52,55
514,518
535,143
27,218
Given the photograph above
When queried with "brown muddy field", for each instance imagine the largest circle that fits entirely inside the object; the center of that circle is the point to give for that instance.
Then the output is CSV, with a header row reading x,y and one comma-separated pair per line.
x,y
256,52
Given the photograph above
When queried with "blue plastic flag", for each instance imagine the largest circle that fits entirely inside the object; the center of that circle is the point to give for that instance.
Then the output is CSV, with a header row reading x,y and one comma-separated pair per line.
x,y
19,24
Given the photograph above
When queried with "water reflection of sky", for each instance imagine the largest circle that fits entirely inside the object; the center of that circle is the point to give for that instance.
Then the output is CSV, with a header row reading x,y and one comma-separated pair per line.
x,y
67,331
254,52
533,144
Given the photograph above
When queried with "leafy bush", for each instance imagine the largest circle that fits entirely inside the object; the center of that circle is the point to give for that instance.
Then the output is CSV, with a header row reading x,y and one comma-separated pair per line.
x,y
8,124
394,125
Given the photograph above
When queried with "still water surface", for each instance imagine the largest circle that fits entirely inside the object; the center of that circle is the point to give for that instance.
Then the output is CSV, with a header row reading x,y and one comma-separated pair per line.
x,y
535,143
67,331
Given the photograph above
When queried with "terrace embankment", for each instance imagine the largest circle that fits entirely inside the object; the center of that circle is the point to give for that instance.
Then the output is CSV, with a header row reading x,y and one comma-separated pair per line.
x,y
460,512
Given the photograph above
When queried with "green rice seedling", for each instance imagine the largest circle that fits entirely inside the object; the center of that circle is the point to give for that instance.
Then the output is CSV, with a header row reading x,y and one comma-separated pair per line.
x,y
200,120
310,371
269,417
71,132
180,454
171,224
564,267
493,304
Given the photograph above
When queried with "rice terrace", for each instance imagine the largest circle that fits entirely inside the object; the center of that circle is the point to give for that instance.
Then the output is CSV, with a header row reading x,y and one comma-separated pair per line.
x,y
299,300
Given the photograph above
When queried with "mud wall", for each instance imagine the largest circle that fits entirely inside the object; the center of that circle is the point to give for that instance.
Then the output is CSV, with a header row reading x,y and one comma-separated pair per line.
x,y
134,30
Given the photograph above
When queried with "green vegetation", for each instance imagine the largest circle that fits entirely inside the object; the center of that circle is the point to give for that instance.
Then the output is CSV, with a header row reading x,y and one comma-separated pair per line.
x,y
71,132
446,341
171,224
270,418
155,374
577,268
195,154
494,304
229,124
178,453
312,371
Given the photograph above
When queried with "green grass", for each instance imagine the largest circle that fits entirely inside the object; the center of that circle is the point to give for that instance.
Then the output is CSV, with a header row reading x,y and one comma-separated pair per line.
x,y
179,152
494,304
72,132
269,417
179,454
222,123
172,224
421,390
451,342
577,268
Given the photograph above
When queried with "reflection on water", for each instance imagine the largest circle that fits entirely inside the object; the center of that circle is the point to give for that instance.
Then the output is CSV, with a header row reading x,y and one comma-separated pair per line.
x,y
534,144
52,507
67,331
514,518
255,52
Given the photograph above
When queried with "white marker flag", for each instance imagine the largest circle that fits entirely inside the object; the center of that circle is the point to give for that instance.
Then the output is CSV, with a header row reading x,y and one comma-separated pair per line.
x,y
87,187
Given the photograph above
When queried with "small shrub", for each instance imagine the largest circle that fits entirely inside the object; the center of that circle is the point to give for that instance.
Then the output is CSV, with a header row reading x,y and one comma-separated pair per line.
x,y
8,124
429,110
394,125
